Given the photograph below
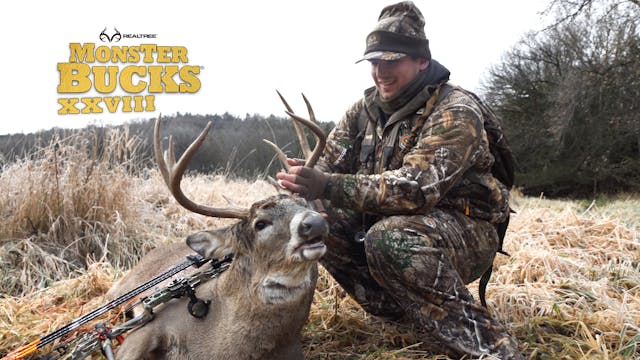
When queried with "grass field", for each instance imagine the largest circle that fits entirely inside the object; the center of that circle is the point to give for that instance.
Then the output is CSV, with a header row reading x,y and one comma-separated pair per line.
x,y
73,221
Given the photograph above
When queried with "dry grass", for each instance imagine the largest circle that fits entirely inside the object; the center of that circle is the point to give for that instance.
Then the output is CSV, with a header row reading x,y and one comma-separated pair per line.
x,y
572,286
570,290
64,205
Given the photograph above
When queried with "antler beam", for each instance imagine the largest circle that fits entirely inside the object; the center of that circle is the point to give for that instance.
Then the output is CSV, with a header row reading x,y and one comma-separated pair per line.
x,y
173,171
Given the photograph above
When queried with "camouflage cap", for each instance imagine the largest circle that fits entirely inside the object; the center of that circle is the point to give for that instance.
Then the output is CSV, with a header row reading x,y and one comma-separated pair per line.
x,y
399,32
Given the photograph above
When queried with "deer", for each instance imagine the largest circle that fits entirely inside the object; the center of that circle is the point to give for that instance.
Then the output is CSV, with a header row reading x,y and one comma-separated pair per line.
x,y
259,305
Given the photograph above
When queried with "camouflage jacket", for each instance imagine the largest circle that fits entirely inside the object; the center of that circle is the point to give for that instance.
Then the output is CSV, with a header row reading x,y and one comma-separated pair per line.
x,y
375,169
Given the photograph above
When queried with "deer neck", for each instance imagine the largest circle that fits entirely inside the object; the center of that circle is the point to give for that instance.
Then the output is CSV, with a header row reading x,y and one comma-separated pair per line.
x,y
268,287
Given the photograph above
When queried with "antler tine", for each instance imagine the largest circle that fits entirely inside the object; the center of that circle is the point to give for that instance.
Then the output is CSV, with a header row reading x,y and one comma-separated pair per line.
x,y
169,154
275,184
281,155
320,137
172,173
157,150
312,116
304,144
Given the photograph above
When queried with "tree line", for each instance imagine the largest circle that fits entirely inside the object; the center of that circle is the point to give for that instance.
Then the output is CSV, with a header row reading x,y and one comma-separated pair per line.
x,y
569,99
234,145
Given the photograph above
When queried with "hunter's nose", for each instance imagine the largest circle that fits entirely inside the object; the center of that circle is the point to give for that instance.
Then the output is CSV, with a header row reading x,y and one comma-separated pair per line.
x,y
312,226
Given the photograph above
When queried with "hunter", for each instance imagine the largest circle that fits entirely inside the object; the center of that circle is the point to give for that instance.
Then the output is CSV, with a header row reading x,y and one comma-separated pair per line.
x,y
406,180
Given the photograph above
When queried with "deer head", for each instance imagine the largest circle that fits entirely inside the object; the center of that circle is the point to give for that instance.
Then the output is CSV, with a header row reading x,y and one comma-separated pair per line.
x,y
278,237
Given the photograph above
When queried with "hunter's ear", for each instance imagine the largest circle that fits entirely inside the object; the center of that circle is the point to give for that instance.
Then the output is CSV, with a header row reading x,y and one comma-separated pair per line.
x,y
210,244
423,63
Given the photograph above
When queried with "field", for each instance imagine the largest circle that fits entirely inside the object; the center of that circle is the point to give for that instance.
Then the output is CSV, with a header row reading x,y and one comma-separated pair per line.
x,y
72,221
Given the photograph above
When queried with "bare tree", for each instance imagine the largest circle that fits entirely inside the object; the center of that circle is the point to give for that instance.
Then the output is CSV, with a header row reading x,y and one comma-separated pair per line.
x,y
568,10
570,99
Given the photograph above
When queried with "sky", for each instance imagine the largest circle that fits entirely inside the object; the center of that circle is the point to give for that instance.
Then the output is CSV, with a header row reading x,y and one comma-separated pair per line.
x,y
245,49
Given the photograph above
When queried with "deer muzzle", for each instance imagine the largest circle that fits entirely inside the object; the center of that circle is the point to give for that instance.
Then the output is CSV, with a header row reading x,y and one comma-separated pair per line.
x,y
312,230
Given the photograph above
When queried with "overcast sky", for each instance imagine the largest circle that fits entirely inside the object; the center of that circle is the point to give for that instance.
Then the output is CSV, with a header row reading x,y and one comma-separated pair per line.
x,y
247,50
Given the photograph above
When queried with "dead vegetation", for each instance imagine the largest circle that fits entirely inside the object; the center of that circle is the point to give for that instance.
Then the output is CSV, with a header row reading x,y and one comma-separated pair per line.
x,y
72,221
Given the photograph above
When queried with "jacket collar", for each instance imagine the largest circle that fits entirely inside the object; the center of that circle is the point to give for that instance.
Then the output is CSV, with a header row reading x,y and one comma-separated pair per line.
x,y
436,74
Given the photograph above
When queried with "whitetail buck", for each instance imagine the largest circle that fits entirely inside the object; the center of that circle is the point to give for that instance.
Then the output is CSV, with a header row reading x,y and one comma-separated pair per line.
x,y
260,304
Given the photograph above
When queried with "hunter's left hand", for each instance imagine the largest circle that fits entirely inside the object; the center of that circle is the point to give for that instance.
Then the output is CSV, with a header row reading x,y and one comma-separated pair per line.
x,y
308,182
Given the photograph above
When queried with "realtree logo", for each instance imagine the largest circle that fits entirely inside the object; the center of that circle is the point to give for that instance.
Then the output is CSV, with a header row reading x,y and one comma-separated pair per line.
x,y
115,37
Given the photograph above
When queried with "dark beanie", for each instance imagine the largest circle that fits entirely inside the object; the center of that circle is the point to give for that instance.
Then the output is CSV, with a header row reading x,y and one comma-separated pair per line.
x,y
399,32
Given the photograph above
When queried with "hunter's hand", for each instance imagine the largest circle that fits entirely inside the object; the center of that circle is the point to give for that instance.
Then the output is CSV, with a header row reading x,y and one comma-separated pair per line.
x,y
308,182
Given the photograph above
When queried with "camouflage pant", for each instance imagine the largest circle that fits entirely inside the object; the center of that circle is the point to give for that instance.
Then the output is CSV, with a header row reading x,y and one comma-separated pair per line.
x,y
414,269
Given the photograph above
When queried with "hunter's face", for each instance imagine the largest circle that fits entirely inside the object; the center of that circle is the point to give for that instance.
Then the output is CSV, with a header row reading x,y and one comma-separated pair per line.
x,y
392,76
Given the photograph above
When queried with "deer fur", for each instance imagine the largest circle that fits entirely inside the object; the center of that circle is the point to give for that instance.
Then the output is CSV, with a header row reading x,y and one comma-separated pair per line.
x,y
258,306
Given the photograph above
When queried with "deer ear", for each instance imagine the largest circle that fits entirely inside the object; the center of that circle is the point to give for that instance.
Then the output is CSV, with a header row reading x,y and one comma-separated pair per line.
x,y
210,244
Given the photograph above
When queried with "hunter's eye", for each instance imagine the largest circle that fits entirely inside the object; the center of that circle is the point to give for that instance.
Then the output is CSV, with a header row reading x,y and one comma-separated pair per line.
x,y
261,224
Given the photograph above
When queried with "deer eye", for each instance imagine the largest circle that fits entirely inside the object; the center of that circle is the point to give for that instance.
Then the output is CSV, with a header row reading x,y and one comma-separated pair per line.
x,y
261,224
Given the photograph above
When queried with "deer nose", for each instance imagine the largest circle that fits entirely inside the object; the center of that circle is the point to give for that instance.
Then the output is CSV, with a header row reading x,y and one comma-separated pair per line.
x,y
313,225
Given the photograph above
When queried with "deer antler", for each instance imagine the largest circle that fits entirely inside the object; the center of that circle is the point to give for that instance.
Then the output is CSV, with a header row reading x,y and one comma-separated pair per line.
x,y
310,156
172,173
304,144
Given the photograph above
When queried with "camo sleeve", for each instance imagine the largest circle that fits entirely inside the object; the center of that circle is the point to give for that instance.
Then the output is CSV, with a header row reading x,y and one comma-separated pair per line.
x,y
447,146
339,155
